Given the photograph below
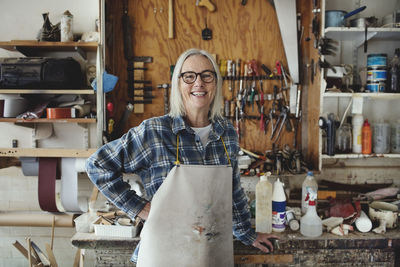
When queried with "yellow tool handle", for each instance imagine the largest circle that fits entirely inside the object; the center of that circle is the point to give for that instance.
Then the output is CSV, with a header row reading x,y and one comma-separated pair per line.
x,y
207,3
170,19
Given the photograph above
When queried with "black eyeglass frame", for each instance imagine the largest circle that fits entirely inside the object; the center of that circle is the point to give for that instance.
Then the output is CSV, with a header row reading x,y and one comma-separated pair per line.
x,y
198,74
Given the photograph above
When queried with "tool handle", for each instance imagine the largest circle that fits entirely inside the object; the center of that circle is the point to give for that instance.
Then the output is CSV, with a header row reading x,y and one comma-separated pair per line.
x,y
207,3
358,10
266,70
171,19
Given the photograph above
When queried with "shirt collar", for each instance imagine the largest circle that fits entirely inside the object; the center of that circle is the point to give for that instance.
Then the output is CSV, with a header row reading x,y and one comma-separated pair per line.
x,y
218,127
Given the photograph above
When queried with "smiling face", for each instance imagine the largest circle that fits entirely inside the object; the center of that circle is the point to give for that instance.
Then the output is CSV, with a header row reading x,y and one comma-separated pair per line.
x,y
198,96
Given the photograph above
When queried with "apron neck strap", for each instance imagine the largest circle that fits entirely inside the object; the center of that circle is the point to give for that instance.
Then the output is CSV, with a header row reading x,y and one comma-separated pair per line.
x,y
177,162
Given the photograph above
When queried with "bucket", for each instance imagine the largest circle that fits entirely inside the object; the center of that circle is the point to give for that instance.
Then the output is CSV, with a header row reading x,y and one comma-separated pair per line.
x,y
375,61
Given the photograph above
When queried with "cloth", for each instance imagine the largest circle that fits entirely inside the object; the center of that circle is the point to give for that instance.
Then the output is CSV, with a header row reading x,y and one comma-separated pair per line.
x,y
149,150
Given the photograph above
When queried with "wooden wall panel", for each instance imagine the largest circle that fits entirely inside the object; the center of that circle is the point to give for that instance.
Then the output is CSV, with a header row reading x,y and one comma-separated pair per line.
x,y
245,32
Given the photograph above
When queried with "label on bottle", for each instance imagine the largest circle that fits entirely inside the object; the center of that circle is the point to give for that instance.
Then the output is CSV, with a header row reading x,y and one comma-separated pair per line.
x,y
278,215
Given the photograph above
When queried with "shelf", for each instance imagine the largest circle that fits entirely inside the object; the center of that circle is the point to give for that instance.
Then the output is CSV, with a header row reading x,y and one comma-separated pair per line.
x,y
371,95
360,156
31,47
358,34
46,152
44,120
48,91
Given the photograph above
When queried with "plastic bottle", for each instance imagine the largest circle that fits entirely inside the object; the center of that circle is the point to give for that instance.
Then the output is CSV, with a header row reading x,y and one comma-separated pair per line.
x,y
264,205
344,138
310,186
357,122
278,207
394,73
366,138
395,137
381,137
310,223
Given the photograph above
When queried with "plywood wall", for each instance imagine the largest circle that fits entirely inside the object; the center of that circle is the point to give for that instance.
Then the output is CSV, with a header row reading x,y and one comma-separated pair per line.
x,y
245,32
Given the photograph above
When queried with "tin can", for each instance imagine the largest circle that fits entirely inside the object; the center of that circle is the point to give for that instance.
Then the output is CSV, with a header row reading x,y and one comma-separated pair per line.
x,y
376,75
375,87
375,61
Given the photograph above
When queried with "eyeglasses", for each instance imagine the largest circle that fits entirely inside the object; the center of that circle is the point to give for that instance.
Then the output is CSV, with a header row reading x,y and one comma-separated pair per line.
x,y
190,77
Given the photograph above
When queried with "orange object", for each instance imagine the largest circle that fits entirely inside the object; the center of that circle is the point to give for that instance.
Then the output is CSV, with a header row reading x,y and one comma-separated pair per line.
x,y
59,113
366,138
324,194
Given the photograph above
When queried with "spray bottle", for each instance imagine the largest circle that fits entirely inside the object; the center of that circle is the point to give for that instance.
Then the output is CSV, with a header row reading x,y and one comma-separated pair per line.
x,y
278,207
264,205
309,186
310,223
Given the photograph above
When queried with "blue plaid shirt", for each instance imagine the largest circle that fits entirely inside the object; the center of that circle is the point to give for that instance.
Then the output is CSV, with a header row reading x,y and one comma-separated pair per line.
x,y
149,150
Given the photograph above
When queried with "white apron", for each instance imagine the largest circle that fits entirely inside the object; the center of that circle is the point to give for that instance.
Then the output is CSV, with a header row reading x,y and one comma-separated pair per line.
x,y
190,219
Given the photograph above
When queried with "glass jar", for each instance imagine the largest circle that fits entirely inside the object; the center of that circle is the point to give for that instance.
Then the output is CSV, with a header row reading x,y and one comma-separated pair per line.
x,y
344,139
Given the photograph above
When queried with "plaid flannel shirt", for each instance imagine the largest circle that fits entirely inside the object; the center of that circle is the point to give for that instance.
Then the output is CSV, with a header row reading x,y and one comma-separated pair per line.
x,y
149,150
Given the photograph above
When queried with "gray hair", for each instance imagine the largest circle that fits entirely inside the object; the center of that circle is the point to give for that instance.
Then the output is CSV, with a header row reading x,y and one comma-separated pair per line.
x,y
176,103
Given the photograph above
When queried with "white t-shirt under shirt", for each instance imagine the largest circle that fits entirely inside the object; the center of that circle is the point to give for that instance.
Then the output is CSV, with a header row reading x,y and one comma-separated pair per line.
x,y
203,133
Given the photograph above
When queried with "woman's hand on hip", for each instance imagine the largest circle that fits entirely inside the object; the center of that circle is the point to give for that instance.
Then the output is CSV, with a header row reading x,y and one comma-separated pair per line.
x,y
262,242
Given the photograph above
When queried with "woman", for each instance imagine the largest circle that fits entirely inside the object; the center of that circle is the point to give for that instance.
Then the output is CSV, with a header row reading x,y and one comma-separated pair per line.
x,y
187,163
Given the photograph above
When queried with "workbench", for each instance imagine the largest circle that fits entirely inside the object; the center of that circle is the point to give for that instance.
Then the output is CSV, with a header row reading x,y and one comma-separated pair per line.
x,y
293,249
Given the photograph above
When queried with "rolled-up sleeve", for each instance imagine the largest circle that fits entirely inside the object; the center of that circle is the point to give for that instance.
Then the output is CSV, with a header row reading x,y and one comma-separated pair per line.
x,y
106,166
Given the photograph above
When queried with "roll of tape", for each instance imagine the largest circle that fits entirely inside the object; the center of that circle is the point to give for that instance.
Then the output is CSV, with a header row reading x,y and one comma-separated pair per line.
x,y
30,166
48,173
70,187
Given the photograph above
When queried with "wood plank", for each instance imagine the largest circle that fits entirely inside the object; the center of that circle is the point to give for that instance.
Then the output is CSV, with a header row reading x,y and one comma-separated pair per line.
x,y
48,91
263,259
245,32
46,152
24,252
49,46
44,120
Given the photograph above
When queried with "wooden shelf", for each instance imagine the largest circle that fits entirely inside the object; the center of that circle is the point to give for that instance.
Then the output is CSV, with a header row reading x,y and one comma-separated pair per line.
x,y
372,95
44,120
48,91
32,46
360,156
46,152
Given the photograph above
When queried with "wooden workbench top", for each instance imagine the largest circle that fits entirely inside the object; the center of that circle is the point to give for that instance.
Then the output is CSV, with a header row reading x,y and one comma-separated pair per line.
x,y
288,240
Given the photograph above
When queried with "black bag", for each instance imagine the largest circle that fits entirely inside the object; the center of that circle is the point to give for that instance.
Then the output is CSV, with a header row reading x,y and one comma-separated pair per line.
x,y
40,73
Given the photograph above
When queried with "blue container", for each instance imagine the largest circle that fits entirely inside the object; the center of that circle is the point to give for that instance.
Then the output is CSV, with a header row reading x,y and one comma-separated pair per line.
x,y
375,61
375,87
376,75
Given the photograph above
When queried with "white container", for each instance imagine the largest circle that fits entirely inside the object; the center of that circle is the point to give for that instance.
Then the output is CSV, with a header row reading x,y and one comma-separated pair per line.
x,y
264,205
381,137
115,230
66,27
311,224
395,137
363,223
278,207
310,187
357,122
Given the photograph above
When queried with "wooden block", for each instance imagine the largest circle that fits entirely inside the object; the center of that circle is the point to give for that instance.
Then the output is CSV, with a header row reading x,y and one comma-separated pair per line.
x,y
51,257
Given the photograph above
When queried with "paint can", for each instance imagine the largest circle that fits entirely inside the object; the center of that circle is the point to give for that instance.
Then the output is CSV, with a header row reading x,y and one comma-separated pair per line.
x,y
375,61
375,87
376,75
